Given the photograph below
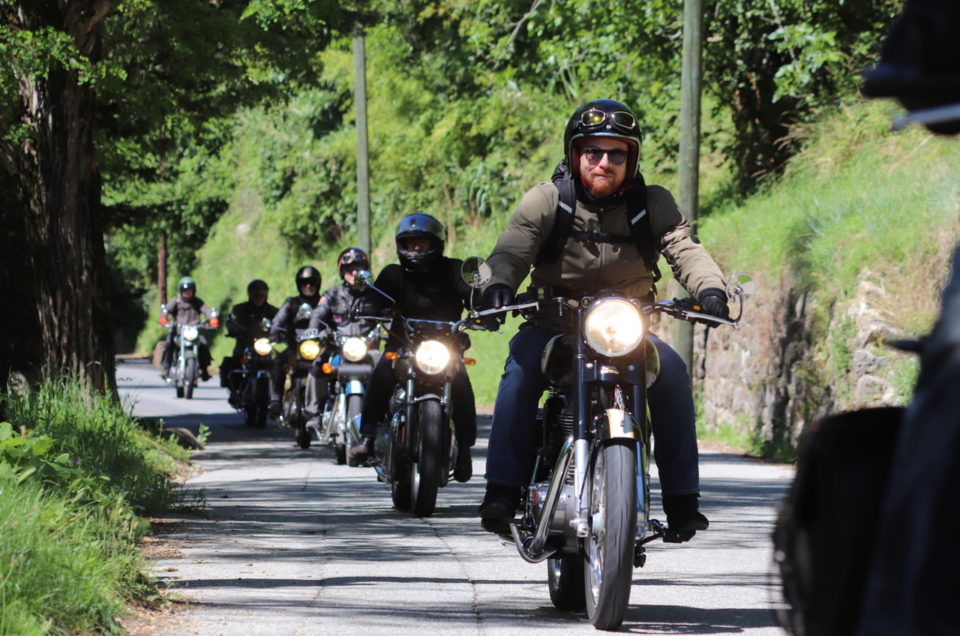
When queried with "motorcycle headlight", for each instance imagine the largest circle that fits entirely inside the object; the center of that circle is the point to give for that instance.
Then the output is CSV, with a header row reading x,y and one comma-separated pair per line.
x,y
432,356
309,349
190,332
354,349
613,327
262,346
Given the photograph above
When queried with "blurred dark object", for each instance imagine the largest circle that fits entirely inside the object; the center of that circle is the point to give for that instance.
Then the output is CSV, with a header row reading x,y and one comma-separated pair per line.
x,y
920,65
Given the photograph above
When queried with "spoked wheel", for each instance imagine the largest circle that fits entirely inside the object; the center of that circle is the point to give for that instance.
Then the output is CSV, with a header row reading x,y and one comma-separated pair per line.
x,y
189,378
608,550
565,580
426,473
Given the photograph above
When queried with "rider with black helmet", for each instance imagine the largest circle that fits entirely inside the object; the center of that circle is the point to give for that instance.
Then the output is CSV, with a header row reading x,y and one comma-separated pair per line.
x,y
333,312
426,284
288,320
245,324
185,309
596,227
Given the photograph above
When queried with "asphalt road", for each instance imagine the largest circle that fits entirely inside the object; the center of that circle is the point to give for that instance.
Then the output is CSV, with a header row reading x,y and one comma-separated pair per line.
x,y
295,544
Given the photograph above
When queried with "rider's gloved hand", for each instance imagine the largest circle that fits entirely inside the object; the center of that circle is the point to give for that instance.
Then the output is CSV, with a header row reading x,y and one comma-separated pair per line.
x,y
496,296
713,301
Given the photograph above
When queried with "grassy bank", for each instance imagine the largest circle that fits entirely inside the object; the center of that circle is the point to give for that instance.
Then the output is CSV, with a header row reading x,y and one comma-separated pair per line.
x,y
76,474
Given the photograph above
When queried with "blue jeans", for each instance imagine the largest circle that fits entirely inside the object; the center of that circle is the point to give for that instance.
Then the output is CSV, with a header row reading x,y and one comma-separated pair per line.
x,y
514,437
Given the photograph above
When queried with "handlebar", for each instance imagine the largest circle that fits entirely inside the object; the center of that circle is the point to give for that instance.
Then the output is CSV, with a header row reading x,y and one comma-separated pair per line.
x,y
682,309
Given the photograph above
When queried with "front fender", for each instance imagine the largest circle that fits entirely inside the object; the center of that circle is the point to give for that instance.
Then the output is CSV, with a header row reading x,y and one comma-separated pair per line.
x,y
617,424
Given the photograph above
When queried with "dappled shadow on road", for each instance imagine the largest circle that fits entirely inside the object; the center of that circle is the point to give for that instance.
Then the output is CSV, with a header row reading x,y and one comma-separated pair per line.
x,y
672,619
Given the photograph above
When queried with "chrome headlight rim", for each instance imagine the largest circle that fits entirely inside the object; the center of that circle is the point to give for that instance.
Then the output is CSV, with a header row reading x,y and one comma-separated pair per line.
x,y
432,357
190,332
613,327
354,349
262,346
309,349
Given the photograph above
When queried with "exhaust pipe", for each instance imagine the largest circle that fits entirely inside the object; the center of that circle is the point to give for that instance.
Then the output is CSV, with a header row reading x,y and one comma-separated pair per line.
x,y
531,547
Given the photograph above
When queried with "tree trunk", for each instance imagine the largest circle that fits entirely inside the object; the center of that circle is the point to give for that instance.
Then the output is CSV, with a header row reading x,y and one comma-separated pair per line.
x,y
59,185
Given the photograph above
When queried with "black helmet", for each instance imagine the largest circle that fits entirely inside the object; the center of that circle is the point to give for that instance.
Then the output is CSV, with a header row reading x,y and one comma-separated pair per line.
x,y
354,257
420,225
187,283
256,285
308,274
603,118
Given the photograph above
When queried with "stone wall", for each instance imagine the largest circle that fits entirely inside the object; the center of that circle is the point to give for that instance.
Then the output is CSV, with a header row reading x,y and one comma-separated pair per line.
x,y
791,362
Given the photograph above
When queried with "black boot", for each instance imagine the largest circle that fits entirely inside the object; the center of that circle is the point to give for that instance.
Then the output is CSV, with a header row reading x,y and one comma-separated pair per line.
x,y
683,515
360,452
499,507
463,470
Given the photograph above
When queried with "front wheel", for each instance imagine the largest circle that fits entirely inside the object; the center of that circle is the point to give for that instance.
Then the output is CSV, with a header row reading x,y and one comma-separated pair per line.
x,y
427,472
262,400
189,378
608,549
346,439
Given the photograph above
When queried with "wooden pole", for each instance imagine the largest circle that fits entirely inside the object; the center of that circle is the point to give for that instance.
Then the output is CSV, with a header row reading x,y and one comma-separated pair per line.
x,y
691,80
363,167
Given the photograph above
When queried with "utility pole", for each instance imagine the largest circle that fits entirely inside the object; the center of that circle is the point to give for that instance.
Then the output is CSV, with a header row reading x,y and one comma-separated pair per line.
x,y
689,191
363,165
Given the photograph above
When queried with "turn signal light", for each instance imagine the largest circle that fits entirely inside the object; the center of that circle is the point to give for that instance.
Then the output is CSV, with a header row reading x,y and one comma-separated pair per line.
x,y
391,355
469,361
327,368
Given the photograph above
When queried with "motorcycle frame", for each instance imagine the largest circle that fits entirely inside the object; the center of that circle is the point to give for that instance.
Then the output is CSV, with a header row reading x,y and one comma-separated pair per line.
x,y
579,449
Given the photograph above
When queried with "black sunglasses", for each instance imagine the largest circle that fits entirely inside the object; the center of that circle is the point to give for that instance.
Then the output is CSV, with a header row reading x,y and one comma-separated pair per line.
x,y
616,155
620,118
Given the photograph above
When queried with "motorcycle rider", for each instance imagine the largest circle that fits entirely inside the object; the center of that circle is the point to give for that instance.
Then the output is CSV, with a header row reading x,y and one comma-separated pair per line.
x,y
602,250
333,312
285,326
185,309
246,322
426,284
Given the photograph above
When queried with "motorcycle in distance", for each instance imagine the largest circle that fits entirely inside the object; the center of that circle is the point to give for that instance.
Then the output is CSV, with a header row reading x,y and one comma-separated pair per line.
x,y
586,510
347,373
185,369
292,414
413,448
251,381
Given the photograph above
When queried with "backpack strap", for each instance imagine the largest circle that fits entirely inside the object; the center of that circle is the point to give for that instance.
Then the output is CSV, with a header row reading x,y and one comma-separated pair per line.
x,y
640,228
563,221
641,232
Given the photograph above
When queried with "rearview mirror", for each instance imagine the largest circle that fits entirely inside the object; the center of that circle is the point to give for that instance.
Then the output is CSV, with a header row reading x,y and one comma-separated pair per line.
x,y
476,272
741,286
362,278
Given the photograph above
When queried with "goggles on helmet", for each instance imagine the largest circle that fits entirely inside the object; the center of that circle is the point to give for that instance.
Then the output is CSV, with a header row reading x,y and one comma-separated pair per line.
x,y
594,118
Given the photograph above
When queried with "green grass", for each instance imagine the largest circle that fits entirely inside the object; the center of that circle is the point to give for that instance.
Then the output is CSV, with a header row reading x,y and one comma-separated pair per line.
x,y
74,471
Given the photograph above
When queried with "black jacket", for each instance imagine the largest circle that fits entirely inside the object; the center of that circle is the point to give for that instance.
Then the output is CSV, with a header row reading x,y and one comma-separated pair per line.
x,y
439,294
249,318
333,311
288,319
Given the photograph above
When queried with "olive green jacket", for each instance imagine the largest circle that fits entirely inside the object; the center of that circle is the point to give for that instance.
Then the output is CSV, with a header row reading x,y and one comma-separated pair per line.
x,y
589,267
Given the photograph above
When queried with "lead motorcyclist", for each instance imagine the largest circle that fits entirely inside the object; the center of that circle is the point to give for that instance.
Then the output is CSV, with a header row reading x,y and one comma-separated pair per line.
x,y
602,250
334,311
185,309
246,323
427,285
285,326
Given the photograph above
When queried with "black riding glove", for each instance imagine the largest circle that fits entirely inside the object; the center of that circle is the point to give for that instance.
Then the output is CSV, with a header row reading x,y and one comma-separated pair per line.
x,y
713,301
496,296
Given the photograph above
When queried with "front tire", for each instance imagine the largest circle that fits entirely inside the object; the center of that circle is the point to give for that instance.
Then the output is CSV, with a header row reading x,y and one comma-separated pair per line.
x,y
262,400
189,378
346,441
608,549
428,471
